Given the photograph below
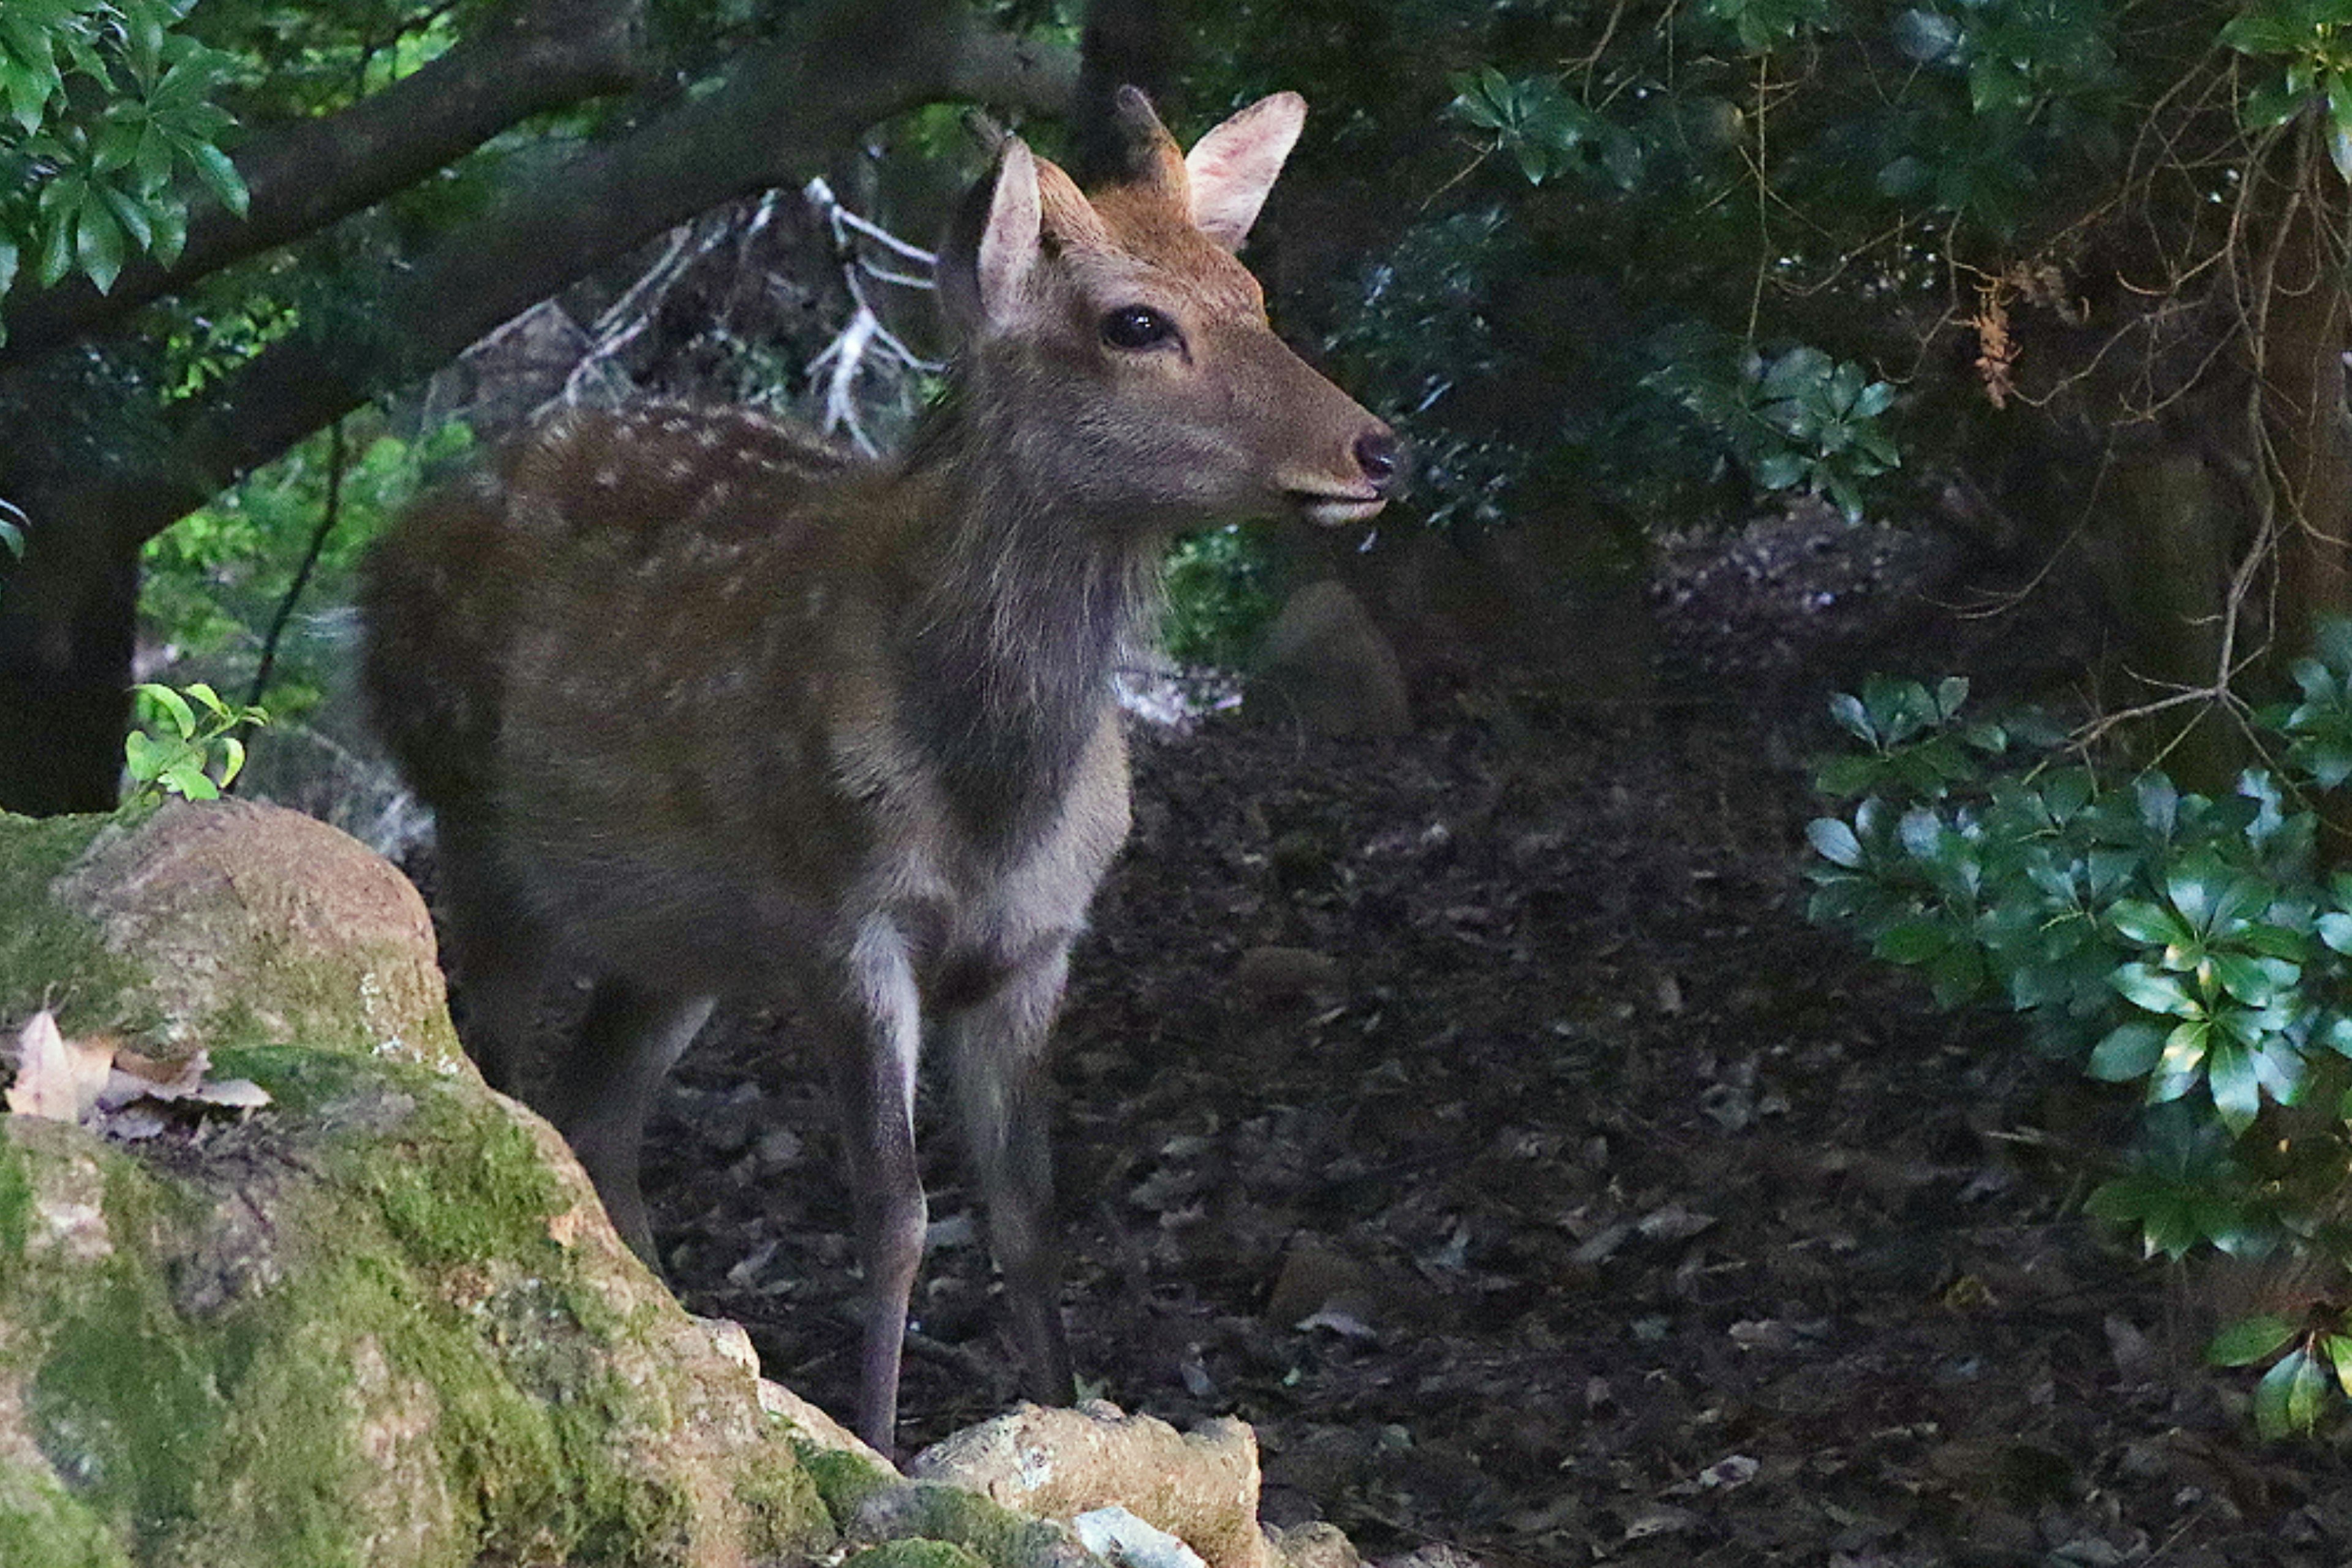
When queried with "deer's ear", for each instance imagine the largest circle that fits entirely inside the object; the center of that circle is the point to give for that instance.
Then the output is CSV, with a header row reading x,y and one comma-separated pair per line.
x,y
1008,243
1234,166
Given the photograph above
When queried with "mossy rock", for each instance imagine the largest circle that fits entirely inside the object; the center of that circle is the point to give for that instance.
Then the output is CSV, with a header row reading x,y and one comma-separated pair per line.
x,y
382,1320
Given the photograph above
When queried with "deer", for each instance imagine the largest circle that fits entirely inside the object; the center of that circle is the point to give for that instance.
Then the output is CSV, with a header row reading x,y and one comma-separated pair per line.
x,y
708,707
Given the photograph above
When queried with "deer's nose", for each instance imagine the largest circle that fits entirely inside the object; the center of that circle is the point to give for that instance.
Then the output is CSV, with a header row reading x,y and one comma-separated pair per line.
x,y
1381,457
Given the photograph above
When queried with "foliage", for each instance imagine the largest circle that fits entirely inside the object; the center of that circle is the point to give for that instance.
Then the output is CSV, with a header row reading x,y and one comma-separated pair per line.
x,y
107,102
1544,130
1219,600
2196,949
214,583
177,750
2301,51
1798,418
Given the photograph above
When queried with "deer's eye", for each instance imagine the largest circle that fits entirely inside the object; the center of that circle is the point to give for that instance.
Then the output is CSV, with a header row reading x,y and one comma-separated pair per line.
x,y
1137,327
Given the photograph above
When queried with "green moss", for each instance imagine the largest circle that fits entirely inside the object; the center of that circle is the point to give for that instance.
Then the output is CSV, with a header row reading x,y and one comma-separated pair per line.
x,y
49,956
843,1478
788,1518
300,1082
44,1526
123,1404
914,1554
928,1510
16,1204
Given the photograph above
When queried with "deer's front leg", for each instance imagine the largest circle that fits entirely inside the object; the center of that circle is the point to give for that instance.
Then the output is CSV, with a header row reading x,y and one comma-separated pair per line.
x,y
873,1072
997,1052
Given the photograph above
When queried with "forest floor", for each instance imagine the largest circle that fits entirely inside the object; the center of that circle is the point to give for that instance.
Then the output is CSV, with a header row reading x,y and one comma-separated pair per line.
x,y
1478,1116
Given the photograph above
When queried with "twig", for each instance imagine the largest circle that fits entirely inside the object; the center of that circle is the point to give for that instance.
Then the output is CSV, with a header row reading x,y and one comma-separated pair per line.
x,y
328,515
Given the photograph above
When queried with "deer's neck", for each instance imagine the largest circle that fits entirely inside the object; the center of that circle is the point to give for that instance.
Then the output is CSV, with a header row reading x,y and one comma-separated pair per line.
x,y
1023,608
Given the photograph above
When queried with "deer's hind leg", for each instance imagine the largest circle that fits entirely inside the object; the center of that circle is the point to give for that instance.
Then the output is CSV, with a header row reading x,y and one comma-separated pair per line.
x,y
501,952
601,1089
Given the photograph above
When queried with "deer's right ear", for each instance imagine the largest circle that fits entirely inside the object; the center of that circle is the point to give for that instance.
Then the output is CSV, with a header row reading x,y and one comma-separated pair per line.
x,y
993,245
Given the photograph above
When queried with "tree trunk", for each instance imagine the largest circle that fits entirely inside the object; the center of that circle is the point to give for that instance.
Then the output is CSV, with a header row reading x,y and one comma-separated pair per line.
x,y
2301,347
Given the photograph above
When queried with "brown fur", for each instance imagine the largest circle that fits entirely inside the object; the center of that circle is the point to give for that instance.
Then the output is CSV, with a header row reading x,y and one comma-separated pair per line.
x,y
716,709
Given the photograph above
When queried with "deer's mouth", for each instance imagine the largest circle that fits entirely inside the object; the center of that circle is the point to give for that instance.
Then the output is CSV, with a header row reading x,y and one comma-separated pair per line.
x,y
1329,510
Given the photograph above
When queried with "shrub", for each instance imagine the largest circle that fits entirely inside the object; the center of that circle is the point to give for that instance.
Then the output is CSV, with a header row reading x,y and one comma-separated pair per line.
x,y
2194,948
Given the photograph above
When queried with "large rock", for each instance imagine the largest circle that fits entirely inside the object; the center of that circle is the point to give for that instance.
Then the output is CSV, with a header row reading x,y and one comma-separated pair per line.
x,y
380,1321
1326,666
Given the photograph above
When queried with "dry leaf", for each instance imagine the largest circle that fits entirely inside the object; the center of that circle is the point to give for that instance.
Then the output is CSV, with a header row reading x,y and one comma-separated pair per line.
x,y
136,1077
58,1077
234,1094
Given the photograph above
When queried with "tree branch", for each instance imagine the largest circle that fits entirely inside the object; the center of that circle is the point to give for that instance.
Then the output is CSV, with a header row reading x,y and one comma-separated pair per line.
x,y
781,111
303,175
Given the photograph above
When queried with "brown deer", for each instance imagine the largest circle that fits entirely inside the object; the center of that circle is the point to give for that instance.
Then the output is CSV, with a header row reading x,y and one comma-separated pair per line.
x,y
710,707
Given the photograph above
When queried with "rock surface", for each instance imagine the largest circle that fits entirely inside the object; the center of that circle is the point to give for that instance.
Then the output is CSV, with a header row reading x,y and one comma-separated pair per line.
x,y
1325,665
379,1322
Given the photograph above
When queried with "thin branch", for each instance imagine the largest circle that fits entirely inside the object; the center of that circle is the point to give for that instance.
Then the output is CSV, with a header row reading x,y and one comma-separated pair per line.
x,y
328,515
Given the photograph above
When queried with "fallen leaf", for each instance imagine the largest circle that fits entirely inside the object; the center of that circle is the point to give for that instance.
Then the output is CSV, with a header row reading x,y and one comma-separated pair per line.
x,y
234,1094
56,1077
136,1077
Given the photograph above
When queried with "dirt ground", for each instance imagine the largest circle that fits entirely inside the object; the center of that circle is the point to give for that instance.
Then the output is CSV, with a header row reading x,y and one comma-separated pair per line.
x,y
1478,1116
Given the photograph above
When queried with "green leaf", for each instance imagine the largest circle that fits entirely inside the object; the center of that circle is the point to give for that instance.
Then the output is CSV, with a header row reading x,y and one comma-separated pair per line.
x,y
189,779
2252,981
1913,942
130,214
2287,1399
1926,37
232,760
2249,1340
2184,1052
2337,1349
2265,31
2157,993
2271,103
2237,1092
2335,928
1853,717
1834,842
57,248
2130,1051
213,167
183,717
97,243
2149,924
139,751
8,260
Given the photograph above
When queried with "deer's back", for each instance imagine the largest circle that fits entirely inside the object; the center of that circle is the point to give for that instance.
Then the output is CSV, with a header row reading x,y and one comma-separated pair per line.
x,y
543,632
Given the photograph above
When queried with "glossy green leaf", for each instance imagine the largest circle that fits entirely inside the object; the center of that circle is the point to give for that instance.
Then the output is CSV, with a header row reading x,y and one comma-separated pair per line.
x,y
174,706
2250,1340
2130,1051
2237,1092
213,167
1834,841
2286,1401
97,243
2159,993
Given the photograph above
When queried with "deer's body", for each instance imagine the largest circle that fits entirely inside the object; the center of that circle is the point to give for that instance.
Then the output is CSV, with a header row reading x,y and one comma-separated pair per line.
x,y
712,708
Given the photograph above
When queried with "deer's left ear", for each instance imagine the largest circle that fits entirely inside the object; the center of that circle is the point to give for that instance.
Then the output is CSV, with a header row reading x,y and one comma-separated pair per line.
x,y
1232,168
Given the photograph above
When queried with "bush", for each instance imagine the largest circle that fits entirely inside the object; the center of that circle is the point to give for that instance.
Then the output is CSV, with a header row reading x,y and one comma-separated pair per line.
x,y
1219,600
2194,948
